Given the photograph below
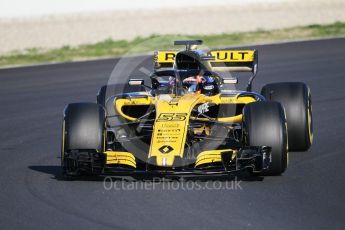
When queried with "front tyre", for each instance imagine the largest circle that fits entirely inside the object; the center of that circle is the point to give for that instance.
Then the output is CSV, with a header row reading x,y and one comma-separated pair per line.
x,y
264,125
83,139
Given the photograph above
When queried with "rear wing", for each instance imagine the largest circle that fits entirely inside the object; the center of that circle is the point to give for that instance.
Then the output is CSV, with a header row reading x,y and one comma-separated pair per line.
x,y
164,59
222,60
234,60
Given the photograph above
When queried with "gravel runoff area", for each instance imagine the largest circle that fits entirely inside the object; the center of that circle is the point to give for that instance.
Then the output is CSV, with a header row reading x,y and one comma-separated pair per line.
x,y
83,28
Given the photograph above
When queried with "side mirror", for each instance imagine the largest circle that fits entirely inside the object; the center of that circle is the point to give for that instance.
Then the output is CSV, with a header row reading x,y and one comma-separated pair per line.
x,y
230,80
133,82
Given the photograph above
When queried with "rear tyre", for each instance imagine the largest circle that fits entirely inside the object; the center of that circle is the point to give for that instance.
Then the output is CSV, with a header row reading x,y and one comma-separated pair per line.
x,y
295,97
264,125
83,135
106,95
107,91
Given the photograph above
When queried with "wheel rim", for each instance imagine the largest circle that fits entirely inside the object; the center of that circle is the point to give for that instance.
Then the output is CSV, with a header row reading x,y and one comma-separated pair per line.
x,y
310,122
63,143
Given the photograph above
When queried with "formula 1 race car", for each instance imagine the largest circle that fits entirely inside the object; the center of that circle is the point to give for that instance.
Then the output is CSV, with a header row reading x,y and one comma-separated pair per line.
x,y
191,120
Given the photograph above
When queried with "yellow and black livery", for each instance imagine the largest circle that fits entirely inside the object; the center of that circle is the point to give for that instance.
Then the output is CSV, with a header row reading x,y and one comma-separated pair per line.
x,y
188,121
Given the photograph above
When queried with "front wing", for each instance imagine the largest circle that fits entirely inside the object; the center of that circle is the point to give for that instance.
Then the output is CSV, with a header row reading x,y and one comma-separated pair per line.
x,y
253,159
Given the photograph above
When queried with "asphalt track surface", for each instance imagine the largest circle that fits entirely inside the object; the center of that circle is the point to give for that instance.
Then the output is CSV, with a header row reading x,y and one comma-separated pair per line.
x,y
310,195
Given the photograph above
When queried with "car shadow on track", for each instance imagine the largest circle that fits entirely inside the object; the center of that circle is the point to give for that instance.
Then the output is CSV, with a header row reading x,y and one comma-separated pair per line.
x,y
55,172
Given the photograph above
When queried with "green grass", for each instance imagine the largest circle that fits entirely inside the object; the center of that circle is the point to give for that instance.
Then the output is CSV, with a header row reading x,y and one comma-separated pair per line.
x,y
111,48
